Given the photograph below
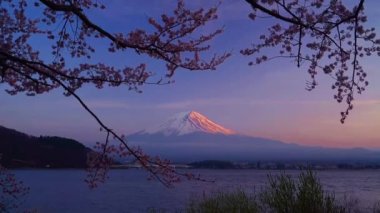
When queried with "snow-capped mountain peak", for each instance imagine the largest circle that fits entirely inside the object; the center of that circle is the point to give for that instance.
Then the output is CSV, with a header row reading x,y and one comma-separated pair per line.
x,y
188,122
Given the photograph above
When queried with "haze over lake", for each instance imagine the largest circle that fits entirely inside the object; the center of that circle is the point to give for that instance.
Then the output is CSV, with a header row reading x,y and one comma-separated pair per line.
x,y
129,190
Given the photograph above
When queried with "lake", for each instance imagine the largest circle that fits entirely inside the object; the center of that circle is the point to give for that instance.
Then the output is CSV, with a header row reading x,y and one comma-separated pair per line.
x,y
130,191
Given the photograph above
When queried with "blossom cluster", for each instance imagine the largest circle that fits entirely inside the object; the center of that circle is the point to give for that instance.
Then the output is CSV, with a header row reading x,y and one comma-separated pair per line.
x,y
66,27
11,191
327,35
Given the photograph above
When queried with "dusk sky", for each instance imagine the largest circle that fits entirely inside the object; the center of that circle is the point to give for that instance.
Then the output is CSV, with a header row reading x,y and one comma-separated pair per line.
x,y
267,100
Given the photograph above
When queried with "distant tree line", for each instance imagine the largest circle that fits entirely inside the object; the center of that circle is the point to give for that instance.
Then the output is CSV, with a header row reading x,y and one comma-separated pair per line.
x,y
20,150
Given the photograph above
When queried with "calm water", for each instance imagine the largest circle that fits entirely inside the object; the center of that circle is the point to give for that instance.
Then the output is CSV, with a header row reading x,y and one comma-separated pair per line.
x,y
129,190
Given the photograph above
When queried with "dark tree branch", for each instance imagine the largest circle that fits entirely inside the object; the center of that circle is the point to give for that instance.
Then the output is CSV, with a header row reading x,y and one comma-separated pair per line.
x,y
109,131
315,25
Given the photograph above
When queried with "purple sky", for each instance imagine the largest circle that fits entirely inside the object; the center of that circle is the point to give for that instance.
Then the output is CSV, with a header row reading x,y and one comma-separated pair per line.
x,y
268,100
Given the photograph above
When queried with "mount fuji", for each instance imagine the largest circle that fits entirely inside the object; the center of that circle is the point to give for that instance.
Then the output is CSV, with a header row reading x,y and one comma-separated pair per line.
x,y
191,136
188,122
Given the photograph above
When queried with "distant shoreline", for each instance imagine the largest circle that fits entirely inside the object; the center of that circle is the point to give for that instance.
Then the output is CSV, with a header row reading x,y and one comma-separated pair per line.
x,y
194,168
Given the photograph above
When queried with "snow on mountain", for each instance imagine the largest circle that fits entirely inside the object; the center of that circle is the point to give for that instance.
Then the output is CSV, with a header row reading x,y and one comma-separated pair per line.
x,y
188,122
190,136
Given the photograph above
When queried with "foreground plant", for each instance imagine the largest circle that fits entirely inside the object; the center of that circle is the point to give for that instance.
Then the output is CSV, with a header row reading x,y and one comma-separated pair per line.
x,y
238,201
283,194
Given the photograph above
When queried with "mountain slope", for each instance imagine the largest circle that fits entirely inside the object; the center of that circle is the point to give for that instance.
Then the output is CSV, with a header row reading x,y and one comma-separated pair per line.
x,y
20,150
182,140
188,122
203,146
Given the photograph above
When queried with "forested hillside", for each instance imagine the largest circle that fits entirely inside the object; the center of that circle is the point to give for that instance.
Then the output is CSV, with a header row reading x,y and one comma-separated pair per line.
x,y
21,150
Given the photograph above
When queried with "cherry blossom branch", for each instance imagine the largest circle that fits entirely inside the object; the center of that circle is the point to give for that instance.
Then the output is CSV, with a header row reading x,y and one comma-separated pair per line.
x,y
328,36
174,41
184,23
78,12
11,191
295,20
164,173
